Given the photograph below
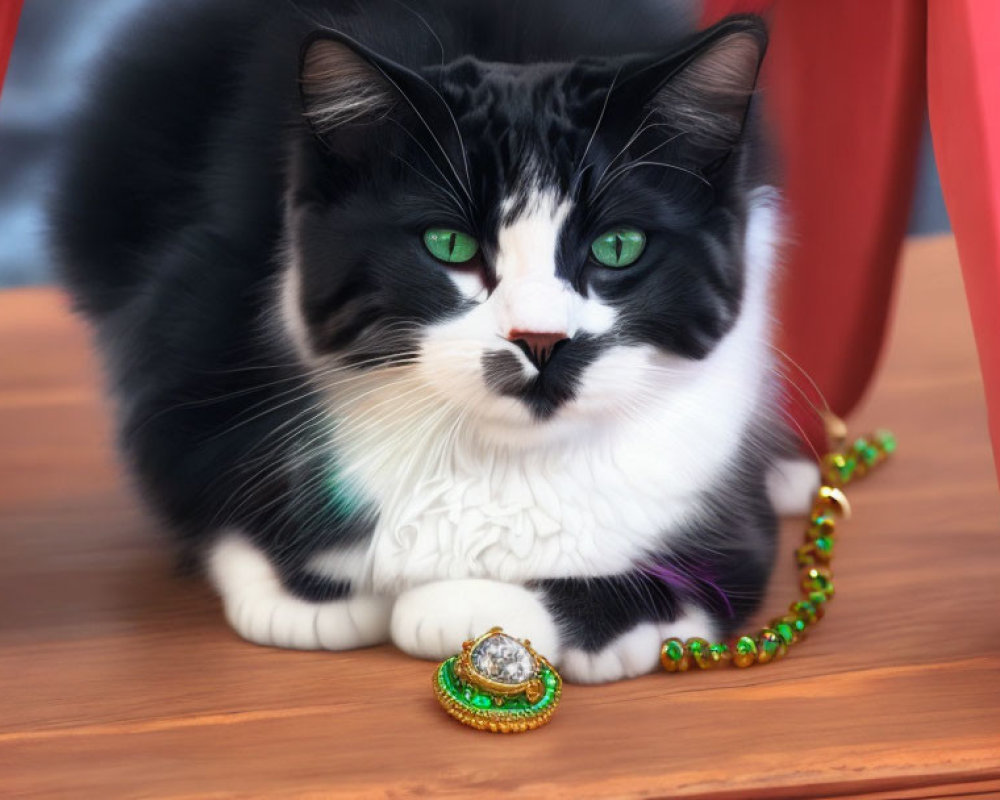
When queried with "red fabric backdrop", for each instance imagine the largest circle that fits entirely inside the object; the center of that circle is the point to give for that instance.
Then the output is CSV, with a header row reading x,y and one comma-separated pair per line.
x,y
844,86
10,12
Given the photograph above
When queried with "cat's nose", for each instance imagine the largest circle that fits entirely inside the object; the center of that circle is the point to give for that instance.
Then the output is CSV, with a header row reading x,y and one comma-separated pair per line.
x,y
538,347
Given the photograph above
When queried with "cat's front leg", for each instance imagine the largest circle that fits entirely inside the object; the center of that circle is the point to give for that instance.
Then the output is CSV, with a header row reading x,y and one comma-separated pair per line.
x,y
432,620
294,609
612,628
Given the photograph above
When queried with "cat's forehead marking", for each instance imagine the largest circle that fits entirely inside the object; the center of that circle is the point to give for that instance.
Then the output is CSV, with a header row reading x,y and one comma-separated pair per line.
x,y
528,239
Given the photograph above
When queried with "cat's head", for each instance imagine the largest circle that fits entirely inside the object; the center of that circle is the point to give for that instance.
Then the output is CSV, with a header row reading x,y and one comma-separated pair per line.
x,y
535,245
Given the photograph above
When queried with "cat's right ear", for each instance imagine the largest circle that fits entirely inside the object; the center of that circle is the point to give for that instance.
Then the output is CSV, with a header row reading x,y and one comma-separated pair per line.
x,y
345,90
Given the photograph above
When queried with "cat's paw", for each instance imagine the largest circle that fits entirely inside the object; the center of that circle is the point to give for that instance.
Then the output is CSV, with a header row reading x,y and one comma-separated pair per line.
x,y
634,653
260,609
791,485
432,621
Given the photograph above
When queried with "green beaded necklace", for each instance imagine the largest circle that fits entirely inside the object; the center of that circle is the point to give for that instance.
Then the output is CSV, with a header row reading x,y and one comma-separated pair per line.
x,y
840,466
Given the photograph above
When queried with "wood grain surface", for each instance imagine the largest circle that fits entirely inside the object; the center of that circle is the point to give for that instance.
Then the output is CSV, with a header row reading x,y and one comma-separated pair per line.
x,y
120,679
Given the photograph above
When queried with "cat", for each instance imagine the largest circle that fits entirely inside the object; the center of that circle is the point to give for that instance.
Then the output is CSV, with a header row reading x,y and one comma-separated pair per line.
x,y
426,317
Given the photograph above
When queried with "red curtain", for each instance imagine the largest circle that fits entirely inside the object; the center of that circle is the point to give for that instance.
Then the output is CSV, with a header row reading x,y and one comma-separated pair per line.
x,y
10,12
844,86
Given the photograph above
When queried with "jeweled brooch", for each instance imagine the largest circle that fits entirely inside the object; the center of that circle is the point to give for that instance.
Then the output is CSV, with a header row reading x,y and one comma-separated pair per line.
x,y
498,684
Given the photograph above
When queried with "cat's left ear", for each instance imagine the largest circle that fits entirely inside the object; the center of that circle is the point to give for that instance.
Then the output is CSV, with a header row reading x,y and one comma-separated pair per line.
x,y
351,94
703,93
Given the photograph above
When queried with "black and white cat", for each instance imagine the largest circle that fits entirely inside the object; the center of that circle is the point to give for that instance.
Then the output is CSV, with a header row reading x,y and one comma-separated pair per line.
x,y
427,317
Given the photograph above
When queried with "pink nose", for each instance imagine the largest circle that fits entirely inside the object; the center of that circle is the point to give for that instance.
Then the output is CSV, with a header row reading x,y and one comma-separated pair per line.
x,y
538,347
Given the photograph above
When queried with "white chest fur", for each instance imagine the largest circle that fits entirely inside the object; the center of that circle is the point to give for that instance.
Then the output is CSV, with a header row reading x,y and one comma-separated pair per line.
x,y
594,500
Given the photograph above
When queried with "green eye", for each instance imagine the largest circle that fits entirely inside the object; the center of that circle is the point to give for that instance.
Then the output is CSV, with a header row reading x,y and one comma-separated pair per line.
x,y
451,247
619,247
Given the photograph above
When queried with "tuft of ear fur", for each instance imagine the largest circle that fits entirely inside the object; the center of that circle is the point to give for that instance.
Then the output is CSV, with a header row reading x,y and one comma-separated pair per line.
x,y
707,97
341,87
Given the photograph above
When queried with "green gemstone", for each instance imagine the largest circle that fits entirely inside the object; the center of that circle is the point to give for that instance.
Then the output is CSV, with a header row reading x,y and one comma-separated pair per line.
x,y
821,525
824,543
886,440
768,643
817,598
785,631
675,650
806,609
860,444
721,648
482,701
846,470
745,645
819,581
550,680
695,647
800,624
869,455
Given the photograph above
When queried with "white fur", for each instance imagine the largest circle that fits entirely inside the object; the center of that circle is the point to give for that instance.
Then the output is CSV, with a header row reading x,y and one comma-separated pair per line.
x,y
472,491
261,610
468,486
634,653
432,620
792,484
530,297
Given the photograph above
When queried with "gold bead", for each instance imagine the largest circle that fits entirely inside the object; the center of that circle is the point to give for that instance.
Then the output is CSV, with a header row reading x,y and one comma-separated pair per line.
x,y
745,652
770,646
674,656
830,498
816,579
699,650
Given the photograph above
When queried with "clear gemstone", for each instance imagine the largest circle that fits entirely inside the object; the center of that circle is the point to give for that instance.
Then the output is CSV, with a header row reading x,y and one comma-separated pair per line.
x,y
503,659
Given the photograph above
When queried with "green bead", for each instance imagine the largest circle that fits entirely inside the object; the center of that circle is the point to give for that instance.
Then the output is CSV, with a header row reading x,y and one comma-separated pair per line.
x,y
817,579
770,646
745,652
805,611
701,652
784,630
674,657
482,701
696,646
840,467
821,525
850,462
720,648
824,543
674,650
886,440
746,644
819,598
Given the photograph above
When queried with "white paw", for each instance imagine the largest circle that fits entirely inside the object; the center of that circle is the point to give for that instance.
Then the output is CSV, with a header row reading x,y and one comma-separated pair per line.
x,y
261,610
791,485
432,621
634,653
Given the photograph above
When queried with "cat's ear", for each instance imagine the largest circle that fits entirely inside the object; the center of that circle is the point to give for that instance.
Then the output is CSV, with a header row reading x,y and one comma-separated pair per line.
x,y
342,87
707,98
352,96
703,93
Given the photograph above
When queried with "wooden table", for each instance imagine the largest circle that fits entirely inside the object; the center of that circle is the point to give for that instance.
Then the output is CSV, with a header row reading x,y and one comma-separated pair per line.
x,y
120,679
